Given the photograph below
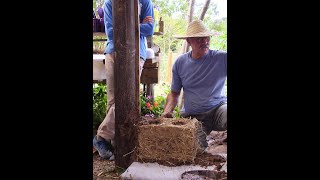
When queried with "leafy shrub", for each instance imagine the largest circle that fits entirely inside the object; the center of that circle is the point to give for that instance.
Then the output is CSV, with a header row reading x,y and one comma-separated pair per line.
x,y
155,108
149,108
99,103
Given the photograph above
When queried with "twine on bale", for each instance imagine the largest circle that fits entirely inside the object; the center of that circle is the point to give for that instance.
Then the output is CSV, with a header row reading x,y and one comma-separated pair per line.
x,y
129,152
168,141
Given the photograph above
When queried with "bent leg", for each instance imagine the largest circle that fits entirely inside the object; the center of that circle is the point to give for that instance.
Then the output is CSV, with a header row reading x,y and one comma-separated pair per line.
x,y
213,120
109,63
220,118
106,129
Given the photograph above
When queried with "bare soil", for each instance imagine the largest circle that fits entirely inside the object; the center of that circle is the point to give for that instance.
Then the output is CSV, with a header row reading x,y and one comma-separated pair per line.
x,y
104,169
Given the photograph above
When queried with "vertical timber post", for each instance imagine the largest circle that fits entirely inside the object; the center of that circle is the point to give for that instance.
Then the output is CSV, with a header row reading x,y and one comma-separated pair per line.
x,y
169,70
126,56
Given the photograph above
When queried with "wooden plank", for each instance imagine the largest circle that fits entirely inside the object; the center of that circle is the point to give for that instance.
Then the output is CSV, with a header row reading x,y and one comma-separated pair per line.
x,y
99,70
149,76
158,33
161,26
149,64
99,39
99,81
169,67
99,34
150,91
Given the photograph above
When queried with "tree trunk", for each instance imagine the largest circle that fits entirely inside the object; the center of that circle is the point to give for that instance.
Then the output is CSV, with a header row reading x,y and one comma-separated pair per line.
x,y
204,9
186,47
190,18
191,10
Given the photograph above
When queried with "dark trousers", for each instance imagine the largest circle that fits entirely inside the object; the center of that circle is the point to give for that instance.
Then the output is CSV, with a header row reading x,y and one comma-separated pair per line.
x,y
212,120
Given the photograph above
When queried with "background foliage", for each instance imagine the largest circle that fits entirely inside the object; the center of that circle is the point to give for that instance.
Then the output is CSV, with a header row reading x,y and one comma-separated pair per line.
x,y
99,103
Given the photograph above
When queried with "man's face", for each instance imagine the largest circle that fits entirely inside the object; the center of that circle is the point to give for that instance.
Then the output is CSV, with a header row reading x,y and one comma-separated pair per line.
x,y
199,44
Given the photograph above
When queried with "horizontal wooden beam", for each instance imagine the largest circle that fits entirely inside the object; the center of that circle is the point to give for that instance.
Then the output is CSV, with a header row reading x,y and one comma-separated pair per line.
x,y
100,39
99,34
100,81
158,33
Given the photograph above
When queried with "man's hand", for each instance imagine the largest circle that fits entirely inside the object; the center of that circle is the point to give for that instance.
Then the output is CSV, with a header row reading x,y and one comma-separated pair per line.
x,y
148,19
171,102
166,115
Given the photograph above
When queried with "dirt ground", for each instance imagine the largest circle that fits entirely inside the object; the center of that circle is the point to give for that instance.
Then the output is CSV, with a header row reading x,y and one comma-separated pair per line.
x,y
105,169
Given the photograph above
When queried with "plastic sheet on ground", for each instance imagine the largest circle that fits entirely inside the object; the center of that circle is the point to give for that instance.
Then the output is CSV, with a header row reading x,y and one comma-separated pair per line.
x,y
154,171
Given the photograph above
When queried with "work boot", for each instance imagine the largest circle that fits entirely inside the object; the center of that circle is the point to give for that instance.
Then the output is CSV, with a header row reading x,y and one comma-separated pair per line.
x,y
103,147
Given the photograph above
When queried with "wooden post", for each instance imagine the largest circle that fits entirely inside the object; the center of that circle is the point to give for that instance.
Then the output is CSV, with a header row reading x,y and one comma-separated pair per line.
x,y
169,70
150,86
150,91
126,57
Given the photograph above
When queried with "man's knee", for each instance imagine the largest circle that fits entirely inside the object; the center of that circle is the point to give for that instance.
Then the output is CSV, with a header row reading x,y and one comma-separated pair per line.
x,y
225,119
220,118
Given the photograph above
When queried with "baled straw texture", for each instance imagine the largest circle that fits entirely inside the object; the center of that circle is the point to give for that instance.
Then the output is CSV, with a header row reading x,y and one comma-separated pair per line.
x,y
168,141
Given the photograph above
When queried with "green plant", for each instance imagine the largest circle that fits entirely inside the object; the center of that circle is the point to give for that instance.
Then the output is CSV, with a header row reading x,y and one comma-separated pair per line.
x,y
165,88
99,103
155,108
176,112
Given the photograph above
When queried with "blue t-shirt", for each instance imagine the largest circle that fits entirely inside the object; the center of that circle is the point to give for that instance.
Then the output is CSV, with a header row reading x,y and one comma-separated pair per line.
x,y
202,80
146,29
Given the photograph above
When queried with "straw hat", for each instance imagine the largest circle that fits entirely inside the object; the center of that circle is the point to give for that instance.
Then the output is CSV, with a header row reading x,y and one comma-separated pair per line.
x,y
195,29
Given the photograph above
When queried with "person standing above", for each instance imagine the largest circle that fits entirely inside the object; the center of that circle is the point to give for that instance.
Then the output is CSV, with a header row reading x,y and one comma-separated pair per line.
x,y
106,131
202,74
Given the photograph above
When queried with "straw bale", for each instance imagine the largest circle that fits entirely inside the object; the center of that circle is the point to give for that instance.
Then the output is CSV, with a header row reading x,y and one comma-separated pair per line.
x,y
168,141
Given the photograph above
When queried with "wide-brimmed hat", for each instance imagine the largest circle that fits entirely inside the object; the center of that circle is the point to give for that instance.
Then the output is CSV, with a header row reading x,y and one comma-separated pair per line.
x,y
195,29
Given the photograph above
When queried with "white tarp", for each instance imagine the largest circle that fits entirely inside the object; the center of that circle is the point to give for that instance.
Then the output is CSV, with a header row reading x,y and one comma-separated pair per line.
x,y
154,171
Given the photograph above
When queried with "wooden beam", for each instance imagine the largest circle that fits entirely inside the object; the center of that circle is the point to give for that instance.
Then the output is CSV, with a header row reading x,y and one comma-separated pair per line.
x,y
150,91
149,76
169,67
126,58
99,81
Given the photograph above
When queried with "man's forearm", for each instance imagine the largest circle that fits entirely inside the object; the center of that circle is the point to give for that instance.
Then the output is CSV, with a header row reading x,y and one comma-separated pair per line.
x,y
146,27
171,102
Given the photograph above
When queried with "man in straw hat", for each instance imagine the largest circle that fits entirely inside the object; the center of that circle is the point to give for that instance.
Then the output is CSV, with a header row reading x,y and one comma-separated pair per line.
x,y
201,73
